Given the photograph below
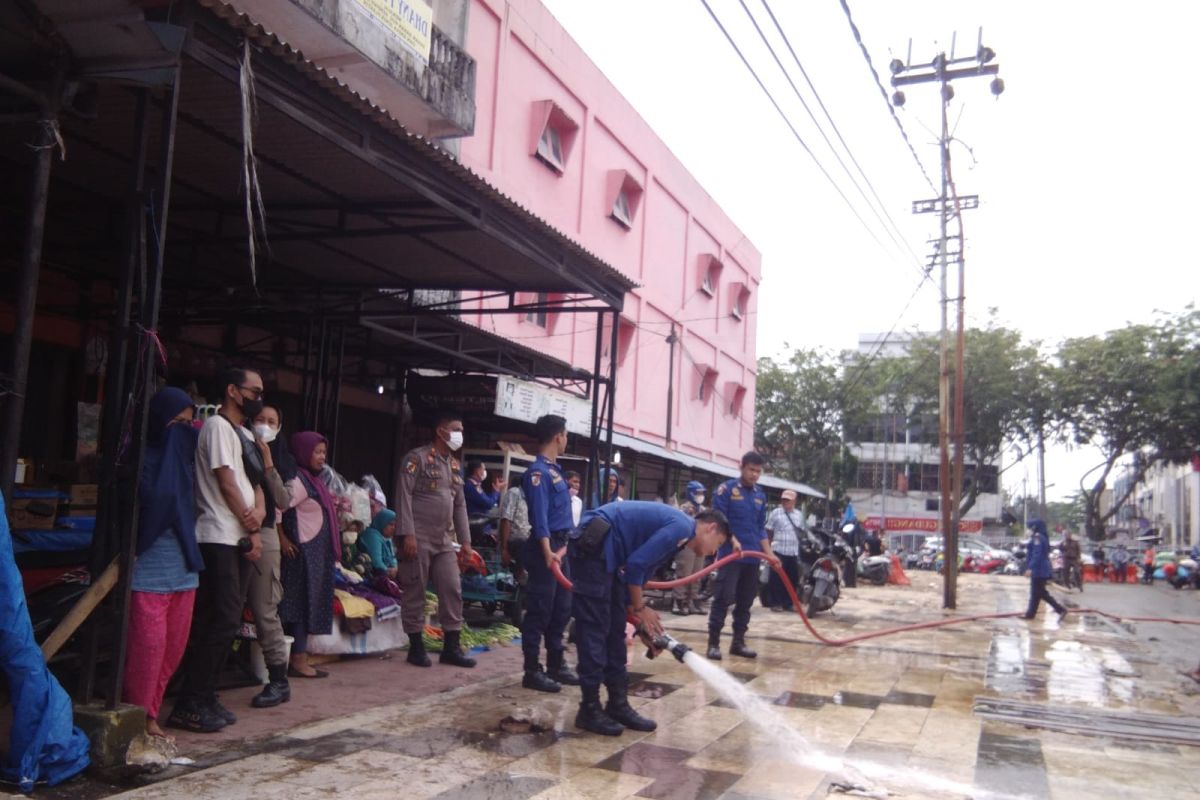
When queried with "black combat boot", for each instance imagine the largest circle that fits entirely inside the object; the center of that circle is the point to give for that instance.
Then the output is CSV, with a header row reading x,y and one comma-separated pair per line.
x,y
277,689
619,709
739,646
452,653
714,646
559,670
536,679
416,651
221,711
591,716
192,715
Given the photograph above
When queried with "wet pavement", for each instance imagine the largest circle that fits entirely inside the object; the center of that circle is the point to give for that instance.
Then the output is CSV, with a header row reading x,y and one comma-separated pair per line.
x,y
907,701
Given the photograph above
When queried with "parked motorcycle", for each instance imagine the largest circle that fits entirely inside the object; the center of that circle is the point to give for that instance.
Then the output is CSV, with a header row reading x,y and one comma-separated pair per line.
x,y
875,569
820,562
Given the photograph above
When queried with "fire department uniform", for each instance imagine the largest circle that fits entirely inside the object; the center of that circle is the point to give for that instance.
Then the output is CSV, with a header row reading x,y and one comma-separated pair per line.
x,y
737,582
641,537
432,508
548,605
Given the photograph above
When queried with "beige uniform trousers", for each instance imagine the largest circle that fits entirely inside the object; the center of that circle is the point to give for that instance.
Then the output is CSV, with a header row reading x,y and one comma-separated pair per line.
x,y
440,568
687,562
263,598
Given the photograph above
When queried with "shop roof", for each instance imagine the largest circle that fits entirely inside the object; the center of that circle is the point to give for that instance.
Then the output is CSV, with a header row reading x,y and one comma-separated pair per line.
x,y
353,201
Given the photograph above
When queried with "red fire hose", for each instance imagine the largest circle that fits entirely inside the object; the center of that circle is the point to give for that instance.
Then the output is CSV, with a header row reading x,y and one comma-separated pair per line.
x,y
796,604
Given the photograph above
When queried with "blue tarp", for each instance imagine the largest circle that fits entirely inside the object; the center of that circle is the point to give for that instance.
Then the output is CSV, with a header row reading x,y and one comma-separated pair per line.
x,y
45,745
57,541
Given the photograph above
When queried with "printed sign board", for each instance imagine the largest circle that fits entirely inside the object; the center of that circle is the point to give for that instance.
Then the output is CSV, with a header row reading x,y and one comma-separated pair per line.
x,y
526,401
410,22
924,524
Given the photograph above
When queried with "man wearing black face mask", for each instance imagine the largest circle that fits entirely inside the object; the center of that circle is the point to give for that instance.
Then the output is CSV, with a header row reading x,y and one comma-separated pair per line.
x,y
231,512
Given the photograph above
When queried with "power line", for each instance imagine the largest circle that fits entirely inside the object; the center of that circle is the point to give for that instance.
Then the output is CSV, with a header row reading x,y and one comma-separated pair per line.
x,y
791,127
817,95
883,92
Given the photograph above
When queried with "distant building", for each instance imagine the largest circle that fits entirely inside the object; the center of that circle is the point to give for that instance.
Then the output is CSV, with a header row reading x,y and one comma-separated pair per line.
x,y
896,484
1166,501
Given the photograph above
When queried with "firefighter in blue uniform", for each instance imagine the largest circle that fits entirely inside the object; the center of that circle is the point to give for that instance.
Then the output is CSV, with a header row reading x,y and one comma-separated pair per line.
x,y
615,550
745,505
548,605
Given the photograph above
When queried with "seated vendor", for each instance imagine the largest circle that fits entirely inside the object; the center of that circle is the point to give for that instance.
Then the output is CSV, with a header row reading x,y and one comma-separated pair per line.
x,y
376,542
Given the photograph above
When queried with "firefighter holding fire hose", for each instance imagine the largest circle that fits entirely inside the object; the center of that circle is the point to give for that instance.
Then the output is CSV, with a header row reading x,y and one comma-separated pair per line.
x,y
614,551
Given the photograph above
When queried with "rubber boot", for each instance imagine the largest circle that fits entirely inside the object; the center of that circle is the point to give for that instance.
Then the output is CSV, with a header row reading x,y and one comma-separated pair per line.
x,y
277,689
739,647
536,679
619,709
714,646
591,716
416,651
559,670
452,653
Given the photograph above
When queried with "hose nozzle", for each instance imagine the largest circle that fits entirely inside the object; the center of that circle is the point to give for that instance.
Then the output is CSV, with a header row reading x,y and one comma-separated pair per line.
x,y
664,641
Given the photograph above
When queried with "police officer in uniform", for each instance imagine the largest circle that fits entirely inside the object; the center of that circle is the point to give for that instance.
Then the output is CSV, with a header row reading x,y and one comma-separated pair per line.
x,y
548,605
431,505
745,505
615,550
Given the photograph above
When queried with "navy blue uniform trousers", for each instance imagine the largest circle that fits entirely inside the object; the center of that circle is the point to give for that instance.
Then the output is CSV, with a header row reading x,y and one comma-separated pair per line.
x,y
737,586
547,605
599,610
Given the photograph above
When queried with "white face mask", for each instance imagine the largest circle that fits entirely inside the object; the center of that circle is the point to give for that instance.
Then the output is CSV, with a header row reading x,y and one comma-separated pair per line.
x,y
698,499
456,440
265,432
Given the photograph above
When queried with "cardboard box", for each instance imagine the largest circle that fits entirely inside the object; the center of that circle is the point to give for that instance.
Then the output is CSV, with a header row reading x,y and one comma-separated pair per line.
x,y
84,494
33,513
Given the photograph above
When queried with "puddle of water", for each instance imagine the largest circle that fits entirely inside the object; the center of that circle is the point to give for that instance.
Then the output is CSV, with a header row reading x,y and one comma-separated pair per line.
x,y
794,747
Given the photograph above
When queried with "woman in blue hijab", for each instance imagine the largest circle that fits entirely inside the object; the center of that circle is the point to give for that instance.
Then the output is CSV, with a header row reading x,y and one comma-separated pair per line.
x,y
166,573
1038,568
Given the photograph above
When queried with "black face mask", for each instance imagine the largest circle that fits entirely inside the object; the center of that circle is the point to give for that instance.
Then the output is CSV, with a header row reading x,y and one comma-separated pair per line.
x,y
251,408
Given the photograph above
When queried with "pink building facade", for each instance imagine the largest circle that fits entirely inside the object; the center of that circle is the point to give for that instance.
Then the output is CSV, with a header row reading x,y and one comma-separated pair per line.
x,y
555,135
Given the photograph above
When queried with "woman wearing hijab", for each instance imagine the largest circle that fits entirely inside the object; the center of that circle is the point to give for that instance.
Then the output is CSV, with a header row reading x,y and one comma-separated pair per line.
x,y
377,542
266,585
311,526
166,573
1038,568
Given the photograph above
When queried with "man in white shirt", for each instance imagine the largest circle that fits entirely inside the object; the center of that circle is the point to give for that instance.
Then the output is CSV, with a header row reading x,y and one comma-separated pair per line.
x,y
231,511
785,526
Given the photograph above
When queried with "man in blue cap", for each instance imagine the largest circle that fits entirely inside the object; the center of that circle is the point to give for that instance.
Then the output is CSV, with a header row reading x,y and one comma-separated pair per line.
x,y
1039,570
548,605
687,562
745,505
615,550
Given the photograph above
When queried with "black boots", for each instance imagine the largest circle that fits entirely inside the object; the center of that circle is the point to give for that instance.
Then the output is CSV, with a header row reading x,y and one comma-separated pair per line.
x,y
619,709
556,666
714,646
452,653
193,714
536,679
416,651
739,647
592,717
277,689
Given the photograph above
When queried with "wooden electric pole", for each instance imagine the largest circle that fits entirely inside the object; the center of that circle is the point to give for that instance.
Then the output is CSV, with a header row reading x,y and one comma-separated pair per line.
x,y
944,71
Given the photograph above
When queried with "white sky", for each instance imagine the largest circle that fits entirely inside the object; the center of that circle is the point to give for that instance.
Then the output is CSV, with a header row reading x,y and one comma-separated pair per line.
x,y
1086,164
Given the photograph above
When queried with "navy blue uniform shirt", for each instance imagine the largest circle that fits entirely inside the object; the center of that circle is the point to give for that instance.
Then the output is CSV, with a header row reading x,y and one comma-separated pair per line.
x,y
643,537
548,498
746,509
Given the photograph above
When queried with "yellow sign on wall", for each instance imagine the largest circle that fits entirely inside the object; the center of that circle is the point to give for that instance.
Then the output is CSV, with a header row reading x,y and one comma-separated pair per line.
x,y
409,21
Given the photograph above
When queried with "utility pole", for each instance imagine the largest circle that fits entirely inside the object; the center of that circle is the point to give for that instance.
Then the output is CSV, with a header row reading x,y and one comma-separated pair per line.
x,y
944,70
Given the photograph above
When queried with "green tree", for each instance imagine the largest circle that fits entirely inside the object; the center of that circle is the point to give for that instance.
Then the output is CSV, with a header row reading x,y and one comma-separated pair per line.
x,y
799,417
1131,391
1004,393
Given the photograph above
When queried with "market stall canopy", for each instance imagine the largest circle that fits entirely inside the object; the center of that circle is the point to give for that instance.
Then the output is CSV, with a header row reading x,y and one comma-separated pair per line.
x,y
351,199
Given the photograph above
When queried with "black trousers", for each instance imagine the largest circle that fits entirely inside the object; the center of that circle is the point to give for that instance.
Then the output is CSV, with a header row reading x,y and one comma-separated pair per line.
x,y
216,618
1038,593
737,586
776,595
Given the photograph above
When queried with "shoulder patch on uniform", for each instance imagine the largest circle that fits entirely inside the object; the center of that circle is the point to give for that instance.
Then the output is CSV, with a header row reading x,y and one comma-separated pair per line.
x,y
410,466
722,489
536,479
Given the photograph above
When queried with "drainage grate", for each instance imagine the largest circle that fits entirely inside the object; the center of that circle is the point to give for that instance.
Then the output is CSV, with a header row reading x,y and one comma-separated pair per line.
x,y
1117,725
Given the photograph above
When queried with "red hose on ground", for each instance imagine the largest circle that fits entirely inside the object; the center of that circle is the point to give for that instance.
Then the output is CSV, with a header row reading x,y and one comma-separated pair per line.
x,y
796,604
